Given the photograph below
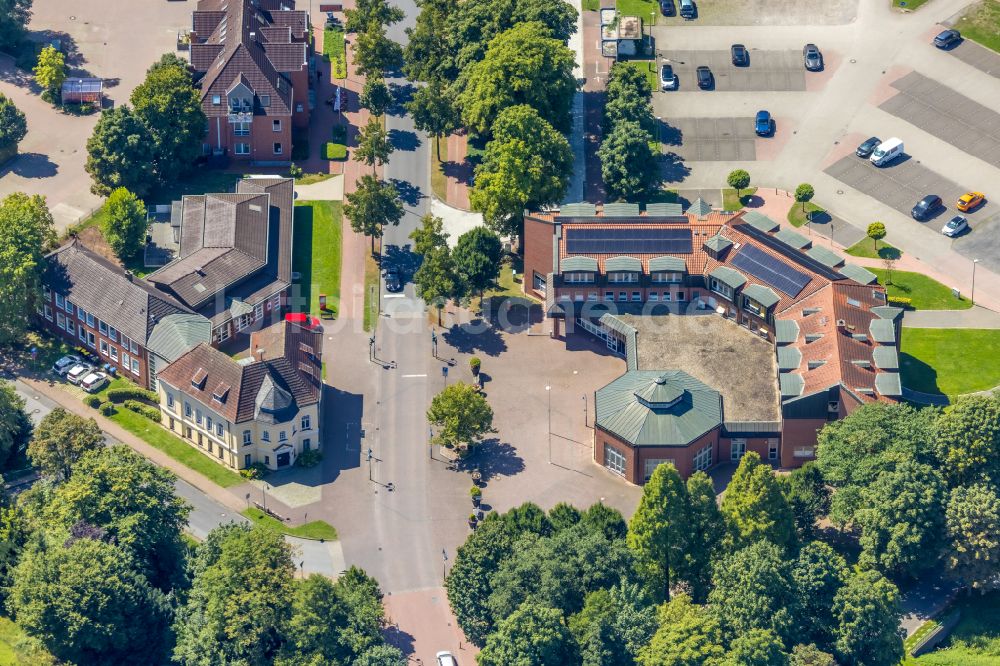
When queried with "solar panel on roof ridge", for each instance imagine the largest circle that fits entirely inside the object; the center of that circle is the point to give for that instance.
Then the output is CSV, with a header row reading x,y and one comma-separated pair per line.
x,y
771,270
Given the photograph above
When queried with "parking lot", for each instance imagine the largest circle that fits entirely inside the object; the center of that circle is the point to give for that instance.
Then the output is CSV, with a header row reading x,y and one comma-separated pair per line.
x,y
948,115
984,244
768,70
710,139
979,57
901,184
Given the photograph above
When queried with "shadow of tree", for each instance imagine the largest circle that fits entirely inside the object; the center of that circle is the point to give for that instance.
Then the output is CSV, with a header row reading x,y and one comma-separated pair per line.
x,y
512,314
475,336
669,135
408,192
401,94
673,169
404,140
917,375
493,458
400,639
460,171
32,165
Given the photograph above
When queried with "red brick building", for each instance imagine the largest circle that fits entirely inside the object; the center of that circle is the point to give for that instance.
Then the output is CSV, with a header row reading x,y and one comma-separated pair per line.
x,y
614,271
252,57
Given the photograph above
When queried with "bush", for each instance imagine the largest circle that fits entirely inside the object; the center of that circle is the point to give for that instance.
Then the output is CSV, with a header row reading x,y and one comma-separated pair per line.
x,y
294,170
92,401
901,301
334,151
132,393
475,362
254,471
475,491
107,409
151,413
309,458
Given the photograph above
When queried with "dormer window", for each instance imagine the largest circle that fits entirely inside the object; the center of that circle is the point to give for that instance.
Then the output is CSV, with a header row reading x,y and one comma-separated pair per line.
x,y
722,289
578,277
623,276
198,379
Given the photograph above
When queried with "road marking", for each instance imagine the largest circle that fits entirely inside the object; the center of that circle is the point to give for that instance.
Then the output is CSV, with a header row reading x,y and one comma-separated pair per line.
x,y
412,376
394,296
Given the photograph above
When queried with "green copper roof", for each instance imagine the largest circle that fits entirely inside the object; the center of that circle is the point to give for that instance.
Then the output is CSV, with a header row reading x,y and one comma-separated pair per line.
x,y
791,384
654,408
762,295
622,264
760,221
699,207
664,210
728,277
667,263
883,331
621,209
577,210
792,239
718,243
890,312
886,358
789,358
824,256
176,333
888,384
857,274
578,264
786,331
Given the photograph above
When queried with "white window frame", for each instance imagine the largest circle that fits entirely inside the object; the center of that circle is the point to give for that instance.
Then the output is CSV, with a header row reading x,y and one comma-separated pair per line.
x,y
113,333
247,438
265,436
703,459
104,347
113,352
276,125
48,311
61,320
70,326
60,301
614,460
578,277
650,464
135,366
241,148
737,449
241,129
306,422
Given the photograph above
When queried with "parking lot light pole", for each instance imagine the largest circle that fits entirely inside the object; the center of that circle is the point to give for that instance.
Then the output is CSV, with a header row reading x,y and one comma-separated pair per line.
x,y
548,395
972,296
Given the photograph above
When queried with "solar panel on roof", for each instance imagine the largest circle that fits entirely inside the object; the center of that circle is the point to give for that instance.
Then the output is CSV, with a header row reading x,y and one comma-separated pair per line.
x,y
628,241
771,270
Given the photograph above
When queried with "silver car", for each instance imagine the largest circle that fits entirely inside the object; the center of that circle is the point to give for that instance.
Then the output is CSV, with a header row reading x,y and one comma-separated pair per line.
x,y
78,372
955,226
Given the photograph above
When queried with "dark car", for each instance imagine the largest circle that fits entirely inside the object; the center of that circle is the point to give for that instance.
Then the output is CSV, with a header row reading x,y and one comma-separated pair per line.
x,y
392,281
762,123
868,147
926,207
812,57
740,55
667,7
688,10
705,78
947,39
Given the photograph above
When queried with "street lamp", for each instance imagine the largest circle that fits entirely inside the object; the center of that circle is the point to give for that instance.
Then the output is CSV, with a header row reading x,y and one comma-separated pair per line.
x,y
434,344
548,395
972,296
585,419
444,564
369,463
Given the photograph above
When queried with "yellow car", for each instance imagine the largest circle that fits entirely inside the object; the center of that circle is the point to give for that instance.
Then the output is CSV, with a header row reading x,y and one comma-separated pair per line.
x,y
970,200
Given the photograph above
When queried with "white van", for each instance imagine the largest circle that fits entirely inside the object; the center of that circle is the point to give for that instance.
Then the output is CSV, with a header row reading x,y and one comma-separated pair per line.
x,y
887,151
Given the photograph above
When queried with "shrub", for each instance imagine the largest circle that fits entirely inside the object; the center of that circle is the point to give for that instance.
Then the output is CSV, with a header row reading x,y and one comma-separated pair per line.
x,y
901,301
132,393
309,458
151,413
294,170
92,401
107,409
254,471
475,491
475,362
334,151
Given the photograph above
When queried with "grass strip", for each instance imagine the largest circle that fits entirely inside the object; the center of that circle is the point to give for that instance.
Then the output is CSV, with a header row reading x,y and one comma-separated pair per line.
x,y
315,529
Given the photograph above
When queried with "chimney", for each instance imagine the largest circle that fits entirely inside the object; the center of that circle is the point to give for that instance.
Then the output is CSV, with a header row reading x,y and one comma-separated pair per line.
x,y
253,35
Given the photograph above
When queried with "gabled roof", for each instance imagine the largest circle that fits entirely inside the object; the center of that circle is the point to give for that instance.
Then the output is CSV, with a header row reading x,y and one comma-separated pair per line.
x,y
886,358
728,276
786,331
889,384
175,334
667,263
762,295
883,331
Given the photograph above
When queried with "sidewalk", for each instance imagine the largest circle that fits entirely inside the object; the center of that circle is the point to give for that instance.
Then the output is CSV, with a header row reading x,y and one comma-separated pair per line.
x,y
974,317
457,171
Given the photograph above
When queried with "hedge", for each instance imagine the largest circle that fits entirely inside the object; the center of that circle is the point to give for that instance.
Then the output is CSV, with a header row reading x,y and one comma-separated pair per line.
x,y
309,458
334,151
132,393
107,409
151,413
92,401
901,301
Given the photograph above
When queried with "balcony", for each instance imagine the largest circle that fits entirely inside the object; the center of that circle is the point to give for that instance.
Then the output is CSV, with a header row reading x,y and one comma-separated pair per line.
x,y
236,116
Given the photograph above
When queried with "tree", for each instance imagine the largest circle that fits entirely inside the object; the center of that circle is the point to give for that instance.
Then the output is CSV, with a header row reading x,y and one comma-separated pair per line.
x,y
524,65
427,54
477,257
563,516
528,164
657,532
876,231
866,612
810,655
430,235
13,128
705,532
14,17
461,415
367,11
605,519
888,265
169,107
60,440
628,165
739,180
15,425
903,520
808,497
375,95
168,60
88,605
372,206
528,518
50,72
318,616
804,193
819,572
973,523
374,147
119,153
531,636
755,589
133,500
124,227
362,597
614,625
374,52
240,599
434,111
757,647
436,279
967,440
381,655
755,507
688,635
25,234
628,98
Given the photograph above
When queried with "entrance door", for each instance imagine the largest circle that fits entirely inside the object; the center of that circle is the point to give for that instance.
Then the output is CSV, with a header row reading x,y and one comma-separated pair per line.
x,y
283,459
737,449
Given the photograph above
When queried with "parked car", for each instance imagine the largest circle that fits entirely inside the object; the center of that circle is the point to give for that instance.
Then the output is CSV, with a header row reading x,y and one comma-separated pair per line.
x,y
868,147
812,57
955,226
740,55
970,200
445,658
688,10
947,39
94,382
926,207
705,78
887,151
668,80
78,372
667,7
392,281
65,364
762,124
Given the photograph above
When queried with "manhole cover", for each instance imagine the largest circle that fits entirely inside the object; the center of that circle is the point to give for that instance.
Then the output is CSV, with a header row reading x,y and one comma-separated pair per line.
x,y
840,191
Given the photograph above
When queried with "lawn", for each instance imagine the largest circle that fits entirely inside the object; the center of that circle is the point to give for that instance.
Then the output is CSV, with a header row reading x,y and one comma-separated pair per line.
x,y
316,529
439,182
334,151
797,216
731,202
591,5
644,9
982,24
866,248
335,51
316,252
647,67
975,641
925,293
908,4
311,178
371,292
18,649
951,361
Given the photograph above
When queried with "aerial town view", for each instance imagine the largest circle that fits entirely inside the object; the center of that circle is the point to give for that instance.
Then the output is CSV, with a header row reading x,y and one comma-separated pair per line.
x,y
500,332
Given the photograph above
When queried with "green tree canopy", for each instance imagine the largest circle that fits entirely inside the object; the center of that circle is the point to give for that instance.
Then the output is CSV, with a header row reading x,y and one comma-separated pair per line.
x,y
373,147
14,17
26,233
563,516
436,279
477,257
607,519
757,647
533,635
614,625
13,127
804,193
628,98
967,440
819,572
810,655
119,153
428,54
973,524
688,635
461,415
15,425
430,235
755,507
60,440
374,53
375,95
381,655
658,531
628,165
373,206
739,180
88,604
434,111
706,530
876,231
50,71
808,497
524,65
866,612
367,11
124,227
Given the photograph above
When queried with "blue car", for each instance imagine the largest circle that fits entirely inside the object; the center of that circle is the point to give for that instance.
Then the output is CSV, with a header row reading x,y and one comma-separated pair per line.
x,y
763,123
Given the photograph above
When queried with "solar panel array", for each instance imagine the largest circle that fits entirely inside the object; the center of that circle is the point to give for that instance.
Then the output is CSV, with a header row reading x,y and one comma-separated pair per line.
x,y
628,241
771,270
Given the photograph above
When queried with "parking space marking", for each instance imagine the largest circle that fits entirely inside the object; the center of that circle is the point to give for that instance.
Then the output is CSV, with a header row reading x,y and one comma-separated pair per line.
x,y
978,56
768,70
712,139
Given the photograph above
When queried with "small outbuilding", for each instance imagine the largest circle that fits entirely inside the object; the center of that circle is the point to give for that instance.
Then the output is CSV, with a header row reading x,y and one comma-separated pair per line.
x,y
83,91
